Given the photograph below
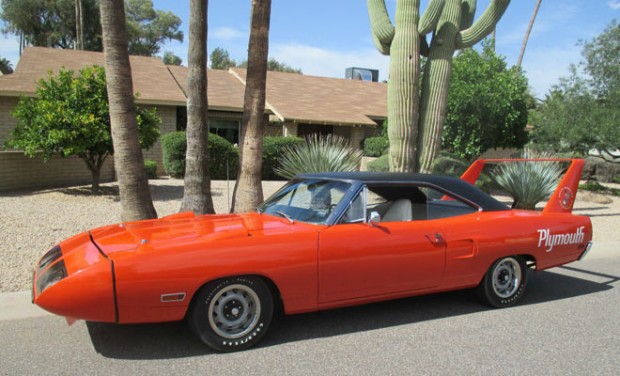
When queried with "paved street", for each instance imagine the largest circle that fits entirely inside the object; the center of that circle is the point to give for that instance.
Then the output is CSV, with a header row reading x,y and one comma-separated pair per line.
x,y
569,323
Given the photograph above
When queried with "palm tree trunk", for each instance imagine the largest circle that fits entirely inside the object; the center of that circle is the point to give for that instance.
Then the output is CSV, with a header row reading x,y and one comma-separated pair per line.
x,y
136,202
197,193
527,33
248,192
79,26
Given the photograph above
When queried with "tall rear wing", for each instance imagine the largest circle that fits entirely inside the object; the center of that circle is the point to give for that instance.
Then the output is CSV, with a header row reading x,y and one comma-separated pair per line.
x,y
561,200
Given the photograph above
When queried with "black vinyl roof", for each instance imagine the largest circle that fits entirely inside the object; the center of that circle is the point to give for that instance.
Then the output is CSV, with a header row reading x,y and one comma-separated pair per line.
x,y
458,187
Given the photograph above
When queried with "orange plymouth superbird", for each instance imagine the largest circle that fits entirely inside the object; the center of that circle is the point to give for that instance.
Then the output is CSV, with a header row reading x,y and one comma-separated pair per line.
x,y
324,240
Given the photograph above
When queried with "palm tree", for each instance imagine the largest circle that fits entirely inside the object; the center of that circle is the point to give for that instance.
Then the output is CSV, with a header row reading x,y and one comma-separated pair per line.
x,y
197,193
79,26
5,66
136,202
527,33
248,193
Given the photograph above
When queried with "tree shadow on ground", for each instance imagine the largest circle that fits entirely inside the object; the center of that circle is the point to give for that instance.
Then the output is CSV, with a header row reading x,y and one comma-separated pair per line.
x,y
174,340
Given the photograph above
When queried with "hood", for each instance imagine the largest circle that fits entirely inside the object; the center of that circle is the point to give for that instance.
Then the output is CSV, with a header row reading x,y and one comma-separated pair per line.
x,y
176,228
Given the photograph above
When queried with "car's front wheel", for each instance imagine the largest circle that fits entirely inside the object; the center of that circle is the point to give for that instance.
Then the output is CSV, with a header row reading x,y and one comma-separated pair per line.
x,y
232,314
504,283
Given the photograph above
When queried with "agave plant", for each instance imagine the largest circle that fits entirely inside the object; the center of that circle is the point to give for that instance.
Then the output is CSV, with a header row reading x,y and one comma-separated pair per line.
x,y
528,182
318,154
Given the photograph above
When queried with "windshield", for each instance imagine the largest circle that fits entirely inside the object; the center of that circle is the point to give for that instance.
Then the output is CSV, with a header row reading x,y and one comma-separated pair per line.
x,y
309,201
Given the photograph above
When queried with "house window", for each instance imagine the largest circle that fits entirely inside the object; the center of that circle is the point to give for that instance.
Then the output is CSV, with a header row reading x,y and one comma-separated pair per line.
x,y
228,129
305,130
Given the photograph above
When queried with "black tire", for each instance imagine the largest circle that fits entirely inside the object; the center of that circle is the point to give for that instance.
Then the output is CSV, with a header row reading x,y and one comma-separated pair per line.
x,y
232,314
504,283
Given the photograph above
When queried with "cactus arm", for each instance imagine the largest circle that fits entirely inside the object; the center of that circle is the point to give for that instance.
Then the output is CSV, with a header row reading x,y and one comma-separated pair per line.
x,y
483,26
430,18
468,10
380,25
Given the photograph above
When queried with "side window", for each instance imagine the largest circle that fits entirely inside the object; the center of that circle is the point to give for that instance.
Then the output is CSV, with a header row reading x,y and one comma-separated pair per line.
x,y
356,212
440,205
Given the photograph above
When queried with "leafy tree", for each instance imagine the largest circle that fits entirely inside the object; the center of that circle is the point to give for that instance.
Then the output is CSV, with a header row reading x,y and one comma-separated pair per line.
x,y
52,23
148,28
5,66
220,59
274,65
70,116
487,104
583,110
171,59
248,192
136,201
197,183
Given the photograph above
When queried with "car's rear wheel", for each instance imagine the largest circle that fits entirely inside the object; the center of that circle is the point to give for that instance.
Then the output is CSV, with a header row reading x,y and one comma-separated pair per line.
x,y
232,314
504,283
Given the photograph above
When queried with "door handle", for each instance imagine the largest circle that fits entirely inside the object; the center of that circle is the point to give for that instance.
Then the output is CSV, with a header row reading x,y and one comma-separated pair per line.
x,y
436,238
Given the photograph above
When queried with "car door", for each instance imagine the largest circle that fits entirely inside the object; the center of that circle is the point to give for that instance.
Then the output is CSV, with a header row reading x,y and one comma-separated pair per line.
x,y
358,260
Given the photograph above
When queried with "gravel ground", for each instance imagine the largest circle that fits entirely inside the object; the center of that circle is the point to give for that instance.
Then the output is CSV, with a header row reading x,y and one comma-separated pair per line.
x,y
33,222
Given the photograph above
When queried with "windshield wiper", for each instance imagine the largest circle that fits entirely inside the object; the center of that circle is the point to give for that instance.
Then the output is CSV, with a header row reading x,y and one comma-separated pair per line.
x,y
283,214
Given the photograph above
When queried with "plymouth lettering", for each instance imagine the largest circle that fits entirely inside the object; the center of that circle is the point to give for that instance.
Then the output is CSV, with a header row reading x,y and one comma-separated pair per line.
x,y
549,240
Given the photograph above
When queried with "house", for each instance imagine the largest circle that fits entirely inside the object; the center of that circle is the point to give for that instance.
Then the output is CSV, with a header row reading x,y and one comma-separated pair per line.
x,y
296,105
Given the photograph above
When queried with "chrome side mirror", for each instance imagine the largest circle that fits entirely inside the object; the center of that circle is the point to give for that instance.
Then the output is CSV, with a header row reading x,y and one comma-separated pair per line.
x,y
374,218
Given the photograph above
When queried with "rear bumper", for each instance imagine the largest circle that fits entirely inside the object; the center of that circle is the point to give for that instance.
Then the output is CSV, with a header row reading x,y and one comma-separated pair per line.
x,y
585,251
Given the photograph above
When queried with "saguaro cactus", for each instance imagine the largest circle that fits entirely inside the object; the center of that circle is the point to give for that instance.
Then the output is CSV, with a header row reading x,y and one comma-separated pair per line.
x,y
454,31
403,44
415,128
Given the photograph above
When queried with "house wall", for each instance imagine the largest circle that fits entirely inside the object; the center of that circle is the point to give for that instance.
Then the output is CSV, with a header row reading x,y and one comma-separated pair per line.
x,y
18,171
168,115
7,121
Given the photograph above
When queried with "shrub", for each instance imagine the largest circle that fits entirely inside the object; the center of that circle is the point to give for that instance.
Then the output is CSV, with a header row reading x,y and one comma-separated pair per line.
x,y
273,148
174,147
319,154
151,169
616,179
221,153
380,164
593,186
528,182
375,146
446,164
600,170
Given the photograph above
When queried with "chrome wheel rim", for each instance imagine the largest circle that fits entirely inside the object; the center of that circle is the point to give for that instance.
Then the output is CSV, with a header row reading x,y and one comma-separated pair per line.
x,y
234,311
506,277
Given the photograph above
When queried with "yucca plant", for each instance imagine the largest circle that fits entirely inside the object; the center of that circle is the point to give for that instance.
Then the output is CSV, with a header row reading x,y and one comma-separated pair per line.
x,y
318,154
528,182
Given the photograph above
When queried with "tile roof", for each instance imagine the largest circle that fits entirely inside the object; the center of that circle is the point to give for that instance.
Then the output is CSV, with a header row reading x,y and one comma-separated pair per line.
x,y
323,100
225,92
291,97
151,78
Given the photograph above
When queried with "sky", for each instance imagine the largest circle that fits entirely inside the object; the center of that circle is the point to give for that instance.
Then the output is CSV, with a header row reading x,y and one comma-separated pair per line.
x,y
324,37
